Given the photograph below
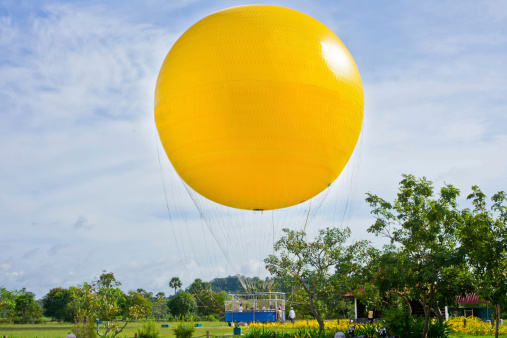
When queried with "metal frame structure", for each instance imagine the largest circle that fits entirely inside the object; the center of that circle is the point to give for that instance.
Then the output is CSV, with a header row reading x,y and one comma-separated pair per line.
x,y
256,307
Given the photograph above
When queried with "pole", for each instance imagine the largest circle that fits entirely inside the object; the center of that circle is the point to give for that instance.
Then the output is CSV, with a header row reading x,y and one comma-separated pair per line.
x,y
355,308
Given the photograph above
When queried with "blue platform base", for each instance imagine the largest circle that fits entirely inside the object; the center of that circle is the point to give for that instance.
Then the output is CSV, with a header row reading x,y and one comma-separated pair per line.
x,y
249,317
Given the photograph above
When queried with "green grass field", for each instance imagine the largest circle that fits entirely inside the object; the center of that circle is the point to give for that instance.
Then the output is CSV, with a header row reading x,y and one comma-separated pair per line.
x,y
53,330
48,330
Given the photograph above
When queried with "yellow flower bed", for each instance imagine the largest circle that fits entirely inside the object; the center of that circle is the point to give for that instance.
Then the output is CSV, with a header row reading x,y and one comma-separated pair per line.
x,y
474,327
332,325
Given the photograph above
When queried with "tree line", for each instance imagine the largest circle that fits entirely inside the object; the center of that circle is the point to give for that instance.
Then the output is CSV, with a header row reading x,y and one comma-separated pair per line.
x,y
437,251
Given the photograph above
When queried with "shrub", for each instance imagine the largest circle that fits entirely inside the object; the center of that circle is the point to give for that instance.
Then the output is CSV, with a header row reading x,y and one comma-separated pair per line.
x,y
368,329
180,331
84,328
439,330
149,330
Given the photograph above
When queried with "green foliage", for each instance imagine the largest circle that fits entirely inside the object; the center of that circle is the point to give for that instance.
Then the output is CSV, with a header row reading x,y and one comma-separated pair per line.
x,y
182,304
107,280
136,306
160,309
180,331
209,302
149,330
175,283
439,329
227,284
84,327
198,286
310,263
26,309
268,333
106,302
8,303
401,322
426,261
368,329
56,304
484,237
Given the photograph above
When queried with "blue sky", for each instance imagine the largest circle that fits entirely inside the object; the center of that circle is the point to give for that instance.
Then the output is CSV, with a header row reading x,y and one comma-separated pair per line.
x,y
80,183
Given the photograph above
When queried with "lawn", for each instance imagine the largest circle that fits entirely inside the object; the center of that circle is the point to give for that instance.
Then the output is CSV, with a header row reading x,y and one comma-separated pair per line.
x,y
50,330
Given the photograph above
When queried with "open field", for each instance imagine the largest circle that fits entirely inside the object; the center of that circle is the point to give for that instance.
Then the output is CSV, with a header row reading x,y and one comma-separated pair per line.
x,y
50,330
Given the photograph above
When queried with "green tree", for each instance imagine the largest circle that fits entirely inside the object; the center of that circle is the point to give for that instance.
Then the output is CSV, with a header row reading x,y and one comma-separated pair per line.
x,y
175,283
56,304
227,284
103,301
137,305
27,308
182,304
8,303
484,237
107,280
34,313
198,286
424,230
160,309
209,302
310,263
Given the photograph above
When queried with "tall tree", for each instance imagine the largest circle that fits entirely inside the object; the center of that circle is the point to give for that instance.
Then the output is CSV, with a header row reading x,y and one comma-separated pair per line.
x,y
27,308
160,309
160,295
196,287
310,263
107,280
209,302
424,229
56,304
484,237
227,284
104,301
182,304
175,283
8,303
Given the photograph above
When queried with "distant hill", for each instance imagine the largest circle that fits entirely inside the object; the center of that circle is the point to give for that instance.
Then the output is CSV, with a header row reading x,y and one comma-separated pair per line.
x,y
232,284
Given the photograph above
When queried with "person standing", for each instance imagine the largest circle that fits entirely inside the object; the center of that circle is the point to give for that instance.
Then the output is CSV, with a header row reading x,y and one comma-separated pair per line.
x,y
292,315
240,308
279,313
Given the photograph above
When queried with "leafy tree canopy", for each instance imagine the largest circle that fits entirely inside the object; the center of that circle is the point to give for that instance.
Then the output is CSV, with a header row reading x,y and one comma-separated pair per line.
x,y
56,304
182,304
175,283
484,237
311,263
425,257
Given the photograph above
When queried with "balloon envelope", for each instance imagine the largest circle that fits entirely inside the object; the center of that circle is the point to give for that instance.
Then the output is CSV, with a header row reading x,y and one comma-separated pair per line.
x,y
259,107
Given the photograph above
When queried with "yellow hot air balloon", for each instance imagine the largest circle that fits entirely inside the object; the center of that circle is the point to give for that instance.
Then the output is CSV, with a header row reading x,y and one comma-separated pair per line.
x,y
259,107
